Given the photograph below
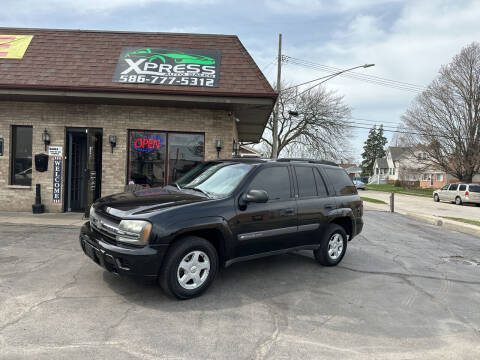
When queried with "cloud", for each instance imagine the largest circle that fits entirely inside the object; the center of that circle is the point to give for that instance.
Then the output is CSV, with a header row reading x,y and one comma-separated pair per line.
x,y
409,47
317,7
89,6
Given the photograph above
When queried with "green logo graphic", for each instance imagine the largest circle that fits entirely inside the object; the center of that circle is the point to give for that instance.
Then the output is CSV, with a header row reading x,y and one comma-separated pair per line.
x,y
178,58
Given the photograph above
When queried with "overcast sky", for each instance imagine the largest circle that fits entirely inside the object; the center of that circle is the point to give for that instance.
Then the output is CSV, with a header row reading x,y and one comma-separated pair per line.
x,y
407,40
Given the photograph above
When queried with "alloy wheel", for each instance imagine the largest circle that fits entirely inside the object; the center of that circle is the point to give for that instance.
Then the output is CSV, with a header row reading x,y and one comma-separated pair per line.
x,y
193,270
335,246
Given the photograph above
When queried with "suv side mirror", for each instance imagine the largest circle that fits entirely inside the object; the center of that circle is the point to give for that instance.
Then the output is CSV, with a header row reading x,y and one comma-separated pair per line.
x,y
257,196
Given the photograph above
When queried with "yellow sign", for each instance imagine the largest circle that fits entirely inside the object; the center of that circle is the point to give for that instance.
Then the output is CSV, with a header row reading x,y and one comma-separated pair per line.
x,y
14,46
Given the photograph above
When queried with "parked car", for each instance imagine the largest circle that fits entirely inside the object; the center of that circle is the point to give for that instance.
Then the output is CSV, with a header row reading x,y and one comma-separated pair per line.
x,y
222,212
458,193
359,184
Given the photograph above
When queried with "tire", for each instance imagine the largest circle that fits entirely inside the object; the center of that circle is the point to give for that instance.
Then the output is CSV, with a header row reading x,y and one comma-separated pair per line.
x,y
458,201
436,198
323,254
176,266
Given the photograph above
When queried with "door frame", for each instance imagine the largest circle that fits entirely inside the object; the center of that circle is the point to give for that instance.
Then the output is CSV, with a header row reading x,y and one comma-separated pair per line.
x,y
67,182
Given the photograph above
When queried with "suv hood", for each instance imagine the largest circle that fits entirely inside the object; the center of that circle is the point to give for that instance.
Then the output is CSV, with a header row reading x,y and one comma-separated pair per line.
x,y
144,201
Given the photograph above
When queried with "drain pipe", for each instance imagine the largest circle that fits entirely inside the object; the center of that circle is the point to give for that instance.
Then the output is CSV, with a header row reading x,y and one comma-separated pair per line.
x,y
38,207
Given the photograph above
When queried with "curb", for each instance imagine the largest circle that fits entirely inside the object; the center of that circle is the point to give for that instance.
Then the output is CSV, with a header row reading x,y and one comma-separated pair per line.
x,y
430,219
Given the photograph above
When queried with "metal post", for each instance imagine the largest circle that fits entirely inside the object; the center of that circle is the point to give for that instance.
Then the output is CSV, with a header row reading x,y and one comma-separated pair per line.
x,y
275,112
392,202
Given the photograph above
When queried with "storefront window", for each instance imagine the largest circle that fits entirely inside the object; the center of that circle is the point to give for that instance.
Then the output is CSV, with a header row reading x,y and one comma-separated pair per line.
x,y
21,170
148,156
184,152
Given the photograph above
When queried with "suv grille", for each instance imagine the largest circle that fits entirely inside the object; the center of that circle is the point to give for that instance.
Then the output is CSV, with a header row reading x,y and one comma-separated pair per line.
x,y
103,225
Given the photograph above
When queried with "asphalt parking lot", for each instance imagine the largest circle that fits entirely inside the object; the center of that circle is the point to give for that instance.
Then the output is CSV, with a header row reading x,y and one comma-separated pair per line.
x,y
405,290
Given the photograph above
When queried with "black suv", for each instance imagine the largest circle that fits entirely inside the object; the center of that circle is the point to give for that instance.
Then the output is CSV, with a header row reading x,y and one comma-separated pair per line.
x,y
222,212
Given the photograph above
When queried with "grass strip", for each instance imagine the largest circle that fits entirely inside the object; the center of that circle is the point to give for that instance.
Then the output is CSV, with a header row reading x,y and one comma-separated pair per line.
x,y
375,201
416,191
468,221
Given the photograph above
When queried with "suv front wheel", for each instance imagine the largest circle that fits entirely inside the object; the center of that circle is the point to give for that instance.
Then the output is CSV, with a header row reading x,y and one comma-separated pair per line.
x,y
332,246
189,267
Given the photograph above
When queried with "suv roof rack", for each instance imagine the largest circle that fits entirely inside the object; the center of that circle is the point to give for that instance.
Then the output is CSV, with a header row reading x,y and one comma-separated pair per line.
x,y
312,161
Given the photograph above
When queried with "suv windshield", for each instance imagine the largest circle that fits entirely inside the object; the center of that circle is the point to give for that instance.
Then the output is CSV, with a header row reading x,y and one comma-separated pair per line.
x,y
218,179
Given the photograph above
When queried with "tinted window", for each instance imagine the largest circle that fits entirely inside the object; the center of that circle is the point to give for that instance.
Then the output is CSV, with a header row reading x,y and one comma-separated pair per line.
x,y
306,181
21,172
462,187
453,187
274,180
321,187
474,188
341,181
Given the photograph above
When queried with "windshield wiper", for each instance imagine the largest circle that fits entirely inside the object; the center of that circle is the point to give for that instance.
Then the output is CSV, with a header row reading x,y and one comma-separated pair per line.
x,y
178,186
200,190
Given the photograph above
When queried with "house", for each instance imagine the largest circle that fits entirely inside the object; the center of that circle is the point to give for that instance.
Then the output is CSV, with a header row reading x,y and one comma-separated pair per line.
x,y
410,166
352,170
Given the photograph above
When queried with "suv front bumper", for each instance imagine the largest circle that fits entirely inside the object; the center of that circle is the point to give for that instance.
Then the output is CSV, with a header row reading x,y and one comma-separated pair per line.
x,y
136,262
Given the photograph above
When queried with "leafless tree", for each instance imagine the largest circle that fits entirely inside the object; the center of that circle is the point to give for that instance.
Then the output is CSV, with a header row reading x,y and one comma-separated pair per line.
x,y
310,124
444,121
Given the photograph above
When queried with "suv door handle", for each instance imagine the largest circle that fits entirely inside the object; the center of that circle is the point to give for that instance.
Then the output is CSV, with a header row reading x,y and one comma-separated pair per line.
x,y
288,212
329,206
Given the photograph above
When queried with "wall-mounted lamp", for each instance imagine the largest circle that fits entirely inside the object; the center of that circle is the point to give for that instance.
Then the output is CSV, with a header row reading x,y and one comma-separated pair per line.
x,y
113,141
46,138
236,147
218,146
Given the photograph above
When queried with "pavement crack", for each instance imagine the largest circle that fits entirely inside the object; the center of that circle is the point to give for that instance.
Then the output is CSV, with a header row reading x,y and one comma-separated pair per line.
x,y
402,275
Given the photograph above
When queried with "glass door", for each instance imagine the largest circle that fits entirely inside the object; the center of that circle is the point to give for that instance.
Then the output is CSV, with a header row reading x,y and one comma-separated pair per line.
x,y
93,167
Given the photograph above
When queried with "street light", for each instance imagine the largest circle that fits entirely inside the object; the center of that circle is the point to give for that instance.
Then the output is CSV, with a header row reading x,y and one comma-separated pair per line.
x,y
326,78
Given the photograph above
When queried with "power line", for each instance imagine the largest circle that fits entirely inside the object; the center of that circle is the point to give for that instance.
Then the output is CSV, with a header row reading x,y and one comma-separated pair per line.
x,y
399,85
289,59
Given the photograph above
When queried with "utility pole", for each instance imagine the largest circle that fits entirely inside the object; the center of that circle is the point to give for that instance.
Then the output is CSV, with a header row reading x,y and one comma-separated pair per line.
x,y
275,111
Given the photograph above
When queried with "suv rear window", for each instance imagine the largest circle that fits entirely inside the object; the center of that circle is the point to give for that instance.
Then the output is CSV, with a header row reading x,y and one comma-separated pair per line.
x,y
341,182
306,181
474,188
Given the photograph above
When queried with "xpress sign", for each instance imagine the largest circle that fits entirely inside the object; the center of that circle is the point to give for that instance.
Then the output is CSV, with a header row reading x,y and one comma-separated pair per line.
x,y
149,65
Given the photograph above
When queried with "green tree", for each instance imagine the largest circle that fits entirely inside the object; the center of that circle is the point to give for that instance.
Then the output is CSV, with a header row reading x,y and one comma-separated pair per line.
x,y
374,148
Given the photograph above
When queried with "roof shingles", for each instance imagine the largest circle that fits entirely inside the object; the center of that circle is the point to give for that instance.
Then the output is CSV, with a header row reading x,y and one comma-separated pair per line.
x,y
75,59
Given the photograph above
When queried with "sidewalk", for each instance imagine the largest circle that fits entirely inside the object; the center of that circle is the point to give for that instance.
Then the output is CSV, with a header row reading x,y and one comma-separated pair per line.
x,y
429,219
56,219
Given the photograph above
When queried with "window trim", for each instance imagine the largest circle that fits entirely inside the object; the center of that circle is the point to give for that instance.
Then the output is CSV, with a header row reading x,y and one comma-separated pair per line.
x,y
11,178
167,142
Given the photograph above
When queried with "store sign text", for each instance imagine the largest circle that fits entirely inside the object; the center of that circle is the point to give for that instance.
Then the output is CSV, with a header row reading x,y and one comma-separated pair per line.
x,y
160,66
148,143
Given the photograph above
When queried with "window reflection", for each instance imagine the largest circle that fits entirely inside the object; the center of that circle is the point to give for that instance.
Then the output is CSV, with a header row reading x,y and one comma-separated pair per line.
x,y
185,152
148,156
22,155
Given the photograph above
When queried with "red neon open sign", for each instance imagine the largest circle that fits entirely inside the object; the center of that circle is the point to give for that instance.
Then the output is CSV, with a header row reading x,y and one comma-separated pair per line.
x,y
148,143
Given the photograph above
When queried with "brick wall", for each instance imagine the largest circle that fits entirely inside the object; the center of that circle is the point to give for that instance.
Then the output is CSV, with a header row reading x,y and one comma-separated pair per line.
x,y
114,120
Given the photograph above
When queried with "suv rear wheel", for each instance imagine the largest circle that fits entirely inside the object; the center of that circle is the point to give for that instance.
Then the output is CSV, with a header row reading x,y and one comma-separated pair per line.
x,y
458,200
332,246
189,267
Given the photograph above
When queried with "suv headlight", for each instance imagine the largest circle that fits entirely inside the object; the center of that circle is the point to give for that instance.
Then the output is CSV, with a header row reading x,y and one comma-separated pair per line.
x,y
134,232
92,212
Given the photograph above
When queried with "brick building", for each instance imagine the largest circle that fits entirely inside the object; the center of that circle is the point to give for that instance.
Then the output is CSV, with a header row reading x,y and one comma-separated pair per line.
x,y
112,108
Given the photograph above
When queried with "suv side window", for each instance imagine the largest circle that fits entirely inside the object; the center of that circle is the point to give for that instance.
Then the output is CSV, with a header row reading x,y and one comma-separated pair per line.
x,y
306,181
453,187
274,180
321,187
341,182
462,187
